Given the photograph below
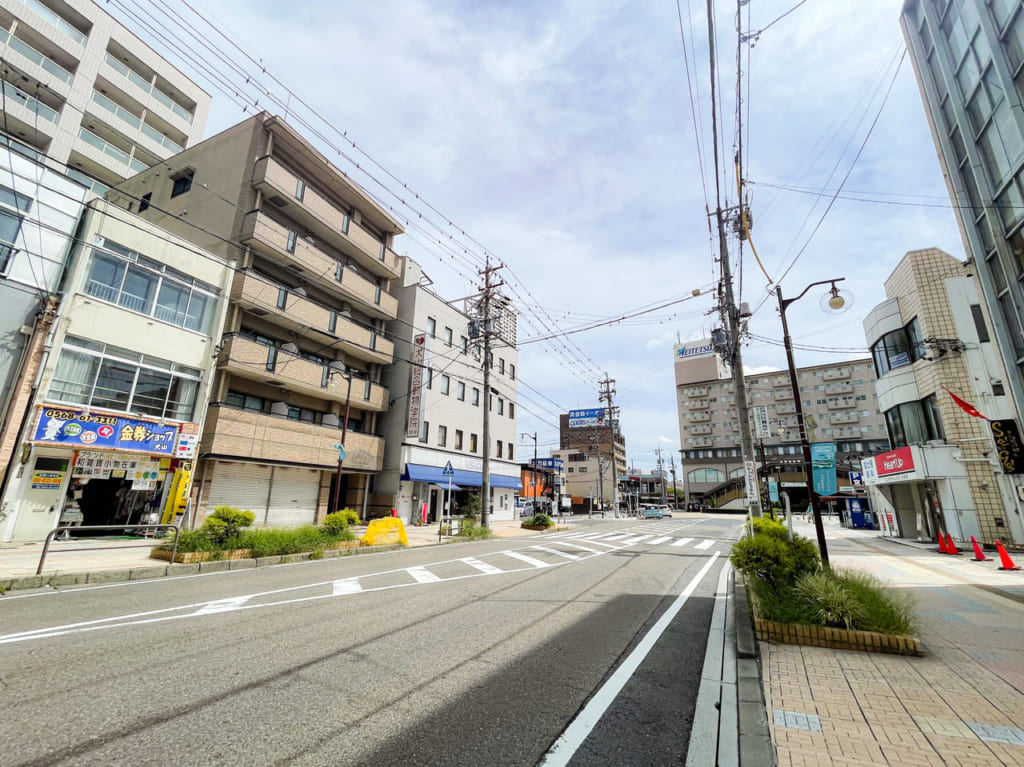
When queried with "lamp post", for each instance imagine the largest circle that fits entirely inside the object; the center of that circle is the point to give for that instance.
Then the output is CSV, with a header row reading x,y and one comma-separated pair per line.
x,y
836,301
341,447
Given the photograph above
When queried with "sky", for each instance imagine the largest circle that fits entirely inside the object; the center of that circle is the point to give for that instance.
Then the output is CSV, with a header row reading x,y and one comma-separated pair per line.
x,y
570,142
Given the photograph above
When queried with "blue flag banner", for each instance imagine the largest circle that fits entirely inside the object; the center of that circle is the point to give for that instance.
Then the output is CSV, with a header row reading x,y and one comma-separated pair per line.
x,y
823,468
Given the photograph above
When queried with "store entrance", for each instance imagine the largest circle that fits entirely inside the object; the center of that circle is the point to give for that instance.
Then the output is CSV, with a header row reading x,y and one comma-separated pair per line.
x,y
113,502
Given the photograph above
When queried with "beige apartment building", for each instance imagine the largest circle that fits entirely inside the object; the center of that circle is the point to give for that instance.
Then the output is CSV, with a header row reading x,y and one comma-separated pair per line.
x,y
304,342
88,94
594,457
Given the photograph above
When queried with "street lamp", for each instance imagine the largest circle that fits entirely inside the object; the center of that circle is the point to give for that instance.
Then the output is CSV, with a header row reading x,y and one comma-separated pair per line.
x,y
835,302
344,432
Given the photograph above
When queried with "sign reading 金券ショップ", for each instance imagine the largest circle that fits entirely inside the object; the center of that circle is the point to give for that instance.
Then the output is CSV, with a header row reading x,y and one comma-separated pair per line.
x,y
72,427
1008,444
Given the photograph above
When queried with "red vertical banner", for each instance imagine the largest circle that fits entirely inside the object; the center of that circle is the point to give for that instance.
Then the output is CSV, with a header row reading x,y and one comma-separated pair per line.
x,y
423,512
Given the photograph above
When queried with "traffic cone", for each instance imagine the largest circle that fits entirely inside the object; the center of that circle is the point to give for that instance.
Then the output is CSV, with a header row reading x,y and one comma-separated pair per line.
x,y
950,546
1005,563
942,544
979,555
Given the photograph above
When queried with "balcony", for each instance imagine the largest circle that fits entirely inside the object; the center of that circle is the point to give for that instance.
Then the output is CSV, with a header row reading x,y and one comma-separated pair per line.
x,y
261,436
699,404
139,88
131,125
702,430
17,101
98,150
246,358
704,416
322,218
272,240
836,403
45,20
780,381
703,442
697,391
839,388
289,309
41,67
785,408
836,374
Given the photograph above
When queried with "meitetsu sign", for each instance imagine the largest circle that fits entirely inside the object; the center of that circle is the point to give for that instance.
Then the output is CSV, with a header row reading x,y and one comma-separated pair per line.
x,y
693,349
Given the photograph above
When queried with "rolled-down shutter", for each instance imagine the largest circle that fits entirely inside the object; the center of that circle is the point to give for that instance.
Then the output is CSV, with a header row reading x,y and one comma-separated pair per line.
x,y
243,486
293,497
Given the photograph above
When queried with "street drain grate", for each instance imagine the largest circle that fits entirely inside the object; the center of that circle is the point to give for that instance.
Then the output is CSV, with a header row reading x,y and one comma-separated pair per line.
x,y
798,721
998,733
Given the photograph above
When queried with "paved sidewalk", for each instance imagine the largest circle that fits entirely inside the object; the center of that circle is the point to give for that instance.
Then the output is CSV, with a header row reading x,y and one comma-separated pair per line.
x,y
960,704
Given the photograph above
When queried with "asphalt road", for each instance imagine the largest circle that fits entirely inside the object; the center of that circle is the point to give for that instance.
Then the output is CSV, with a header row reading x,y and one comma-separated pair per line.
x,y
469,654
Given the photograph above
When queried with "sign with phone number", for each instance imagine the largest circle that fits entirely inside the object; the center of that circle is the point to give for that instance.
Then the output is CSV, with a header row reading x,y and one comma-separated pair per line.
x,y
72,427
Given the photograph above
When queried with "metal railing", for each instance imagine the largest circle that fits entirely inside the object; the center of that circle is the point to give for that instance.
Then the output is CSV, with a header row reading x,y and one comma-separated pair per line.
x,y
59,529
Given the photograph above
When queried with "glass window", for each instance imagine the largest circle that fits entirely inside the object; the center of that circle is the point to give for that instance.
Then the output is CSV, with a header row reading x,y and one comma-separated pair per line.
x,y
445,384
501,406
511,409
431,327
498,451
448,336
472,443
510,451
512,371
979,323
460,391
933,419
182,183
292,239
424,434
172,303
464,342
458,439
442,436
501,365
476,397
10,222
428,377
300,189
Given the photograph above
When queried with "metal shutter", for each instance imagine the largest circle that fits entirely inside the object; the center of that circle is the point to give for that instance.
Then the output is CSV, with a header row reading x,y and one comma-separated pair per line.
x,y
240,485
293,497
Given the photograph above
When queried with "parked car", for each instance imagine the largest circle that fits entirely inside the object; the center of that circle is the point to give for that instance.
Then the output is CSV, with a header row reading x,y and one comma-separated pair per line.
x,y
657,512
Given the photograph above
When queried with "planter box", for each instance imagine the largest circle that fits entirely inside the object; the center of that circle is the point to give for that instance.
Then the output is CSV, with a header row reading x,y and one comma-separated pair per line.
x,y
188,557
837,639
541,528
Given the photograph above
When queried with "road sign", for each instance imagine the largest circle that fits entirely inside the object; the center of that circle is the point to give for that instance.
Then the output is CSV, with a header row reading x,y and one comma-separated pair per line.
x,y
448,471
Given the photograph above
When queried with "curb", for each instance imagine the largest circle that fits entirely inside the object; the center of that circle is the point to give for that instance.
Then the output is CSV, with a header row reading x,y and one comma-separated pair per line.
x,y
755,741
152,572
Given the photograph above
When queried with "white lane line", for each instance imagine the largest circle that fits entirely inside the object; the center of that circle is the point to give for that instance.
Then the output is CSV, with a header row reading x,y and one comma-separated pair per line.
x,y
681,542
556,552
707,543
423,575
662,539
569,741
347,586
592,542
223,605
482,566
637,539
618,537
524,558
582,548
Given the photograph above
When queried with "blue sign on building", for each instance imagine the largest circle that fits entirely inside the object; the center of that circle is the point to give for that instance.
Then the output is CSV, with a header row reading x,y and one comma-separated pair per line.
x,y
773,491
73,428
823,468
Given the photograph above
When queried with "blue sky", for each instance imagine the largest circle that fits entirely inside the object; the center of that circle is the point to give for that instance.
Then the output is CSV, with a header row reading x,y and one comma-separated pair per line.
x,y
559,136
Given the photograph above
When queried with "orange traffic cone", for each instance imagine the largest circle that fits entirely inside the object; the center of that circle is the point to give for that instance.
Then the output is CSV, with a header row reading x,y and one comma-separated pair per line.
x,y
942,544
950,546
1005,563
979,555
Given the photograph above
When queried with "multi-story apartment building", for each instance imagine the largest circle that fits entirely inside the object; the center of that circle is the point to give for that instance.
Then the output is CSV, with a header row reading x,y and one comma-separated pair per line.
x,y
97,101
123,388
839,405
590,479
39,211
931,336
305,339
969,60
603,441
436,383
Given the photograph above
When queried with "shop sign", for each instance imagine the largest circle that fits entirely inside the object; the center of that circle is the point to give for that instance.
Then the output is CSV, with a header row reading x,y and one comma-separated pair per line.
x,y
896,462
823,467
97,464
72,427
1008,443
46,480
188,440
579,419
419,361
773,491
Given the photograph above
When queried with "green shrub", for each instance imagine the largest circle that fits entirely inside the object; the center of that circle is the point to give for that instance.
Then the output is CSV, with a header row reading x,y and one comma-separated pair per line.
x,y
766,558
470,528
472,505
335,523
538,520
769,527
225,523
829,601
884,610
351,517
190,540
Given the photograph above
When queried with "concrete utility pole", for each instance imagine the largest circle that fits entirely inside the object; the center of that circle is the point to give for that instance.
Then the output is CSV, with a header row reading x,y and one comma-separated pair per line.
x,y
661,476
607,392
675,496
487,330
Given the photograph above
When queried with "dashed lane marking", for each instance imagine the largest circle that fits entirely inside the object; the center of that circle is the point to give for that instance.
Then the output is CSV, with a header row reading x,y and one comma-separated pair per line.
x,y
423,575
346,586
482,566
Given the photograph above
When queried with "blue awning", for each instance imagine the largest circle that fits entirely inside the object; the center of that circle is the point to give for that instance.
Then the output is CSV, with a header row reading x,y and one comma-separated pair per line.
x,y
418,472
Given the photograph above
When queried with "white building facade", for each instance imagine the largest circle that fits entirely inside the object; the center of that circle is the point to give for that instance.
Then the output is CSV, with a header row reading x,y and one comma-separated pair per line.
x,y
436,417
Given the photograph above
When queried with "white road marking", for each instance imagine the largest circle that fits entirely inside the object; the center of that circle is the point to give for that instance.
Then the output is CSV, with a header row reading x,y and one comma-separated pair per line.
x,y
662,539
423,575
346,586
637,539
583,548
525,558
569,741
482,566
707,543
618,537
594,542
223,605
681,542
556,552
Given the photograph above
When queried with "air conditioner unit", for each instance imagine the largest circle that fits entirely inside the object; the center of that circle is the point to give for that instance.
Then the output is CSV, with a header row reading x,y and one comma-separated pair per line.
x,y
299,291
279,408
290,348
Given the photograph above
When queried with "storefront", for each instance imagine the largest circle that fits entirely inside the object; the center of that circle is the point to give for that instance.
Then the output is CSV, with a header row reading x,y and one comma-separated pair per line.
x,y
278,496
423,492
95,468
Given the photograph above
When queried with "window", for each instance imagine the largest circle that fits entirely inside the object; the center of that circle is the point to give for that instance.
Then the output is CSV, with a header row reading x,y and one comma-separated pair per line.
x,y
100,375
912,423
458,439
476,397
428,376
292,238
510,451
512,410
246,402
140,284
464,344
501,365
501,406
442,436
581,470
431,327
979,324
498,451
144,201
445,384
300,189
706,475
460,391
898,348
512,371
302,414
472,443
424,434
448,336
182,183
12,205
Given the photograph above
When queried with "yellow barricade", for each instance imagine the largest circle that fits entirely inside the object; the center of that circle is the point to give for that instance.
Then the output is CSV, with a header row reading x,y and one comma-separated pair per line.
x,y
386,530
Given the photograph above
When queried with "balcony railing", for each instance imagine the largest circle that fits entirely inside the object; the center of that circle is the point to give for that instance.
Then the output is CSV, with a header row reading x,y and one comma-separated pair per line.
x,y
57,20
36,57
94,185
141,82
31,104
123,114
111,151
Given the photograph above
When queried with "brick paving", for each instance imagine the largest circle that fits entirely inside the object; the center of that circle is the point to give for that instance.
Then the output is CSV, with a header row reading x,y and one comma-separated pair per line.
x,y
962,703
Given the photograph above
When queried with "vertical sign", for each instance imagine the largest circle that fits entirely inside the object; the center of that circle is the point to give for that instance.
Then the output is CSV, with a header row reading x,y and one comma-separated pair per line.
x,y
751,477
761,430
1008,444
773,491
823,468
419,359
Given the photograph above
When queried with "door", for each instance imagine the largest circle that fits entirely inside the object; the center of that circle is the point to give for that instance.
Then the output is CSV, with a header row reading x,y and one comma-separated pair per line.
x,y
293,497
42,497
242,486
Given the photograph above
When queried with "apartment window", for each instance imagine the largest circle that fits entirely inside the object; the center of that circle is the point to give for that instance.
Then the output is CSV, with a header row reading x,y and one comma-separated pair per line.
x,y
301,414
898,348
512,371
424,434
442,436
501,406
445,384
912,423
501,365
104,376
458,439
339,271
472,443
979,324
332,322
12,206
144,201
282,298
431,327
140,284
182,183
512,410
476,397
460,391
581,470
246,402
497,453
510,451
448,336
290,245
300,189
428,376
464,344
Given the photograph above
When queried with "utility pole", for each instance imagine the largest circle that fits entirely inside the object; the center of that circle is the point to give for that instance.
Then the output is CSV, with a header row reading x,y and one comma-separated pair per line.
x,y
661,476
607,392
675,497
487,330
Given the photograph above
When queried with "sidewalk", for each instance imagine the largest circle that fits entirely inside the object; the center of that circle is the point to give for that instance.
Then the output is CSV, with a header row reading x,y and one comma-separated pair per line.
x,y
116,558
960,704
